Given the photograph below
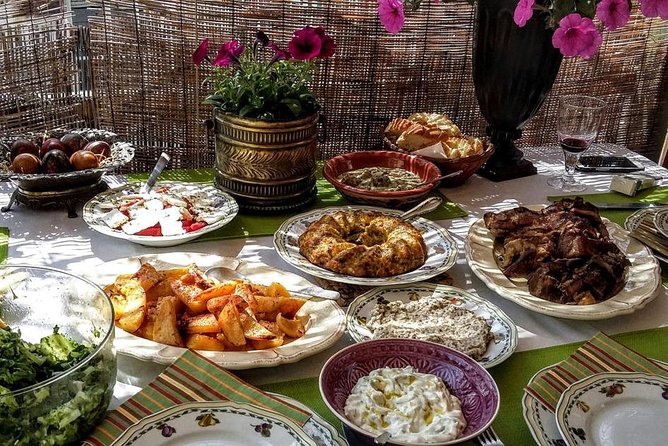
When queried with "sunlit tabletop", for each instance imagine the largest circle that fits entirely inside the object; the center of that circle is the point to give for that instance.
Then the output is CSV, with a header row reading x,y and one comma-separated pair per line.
x,y
48,237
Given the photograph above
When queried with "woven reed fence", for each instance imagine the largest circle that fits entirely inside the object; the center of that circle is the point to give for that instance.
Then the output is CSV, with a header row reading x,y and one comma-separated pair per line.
x,y
131,72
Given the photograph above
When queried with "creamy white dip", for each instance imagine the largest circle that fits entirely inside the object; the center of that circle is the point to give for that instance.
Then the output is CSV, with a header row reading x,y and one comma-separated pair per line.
x,y
409,405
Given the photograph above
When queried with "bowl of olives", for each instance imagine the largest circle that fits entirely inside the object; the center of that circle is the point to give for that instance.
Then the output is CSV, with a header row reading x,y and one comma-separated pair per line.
x,y
61,159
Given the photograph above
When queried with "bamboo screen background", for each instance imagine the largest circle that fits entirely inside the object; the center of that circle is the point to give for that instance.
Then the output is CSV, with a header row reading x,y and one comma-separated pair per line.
x,y
130,71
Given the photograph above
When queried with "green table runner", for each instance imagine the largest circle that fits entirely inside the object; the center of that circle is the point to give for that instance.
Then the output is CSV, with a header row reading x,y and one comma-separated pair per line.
x,y
4,244
511,376
245,225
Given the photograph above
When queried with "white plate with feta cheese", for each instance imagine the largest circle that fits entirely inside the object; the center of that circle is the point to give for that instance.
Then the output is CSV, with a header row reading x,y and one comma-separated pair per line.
x,y
171,214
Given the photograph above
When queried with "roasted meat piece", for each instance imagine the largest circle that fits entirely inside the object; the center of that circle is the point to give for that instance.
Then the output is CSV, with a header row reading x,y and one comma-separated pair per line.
x,y
564,251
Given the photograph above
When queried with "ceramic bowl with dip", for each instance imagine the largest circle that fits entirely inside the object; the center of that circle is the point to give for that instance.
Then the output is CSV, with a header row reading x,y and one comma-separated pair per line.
x,y
382,178
464,379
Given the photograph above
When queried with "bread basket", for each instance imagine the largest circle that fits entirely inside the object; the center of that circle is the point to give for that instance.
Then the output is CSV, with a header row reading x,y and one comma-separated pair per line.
x,y
468,165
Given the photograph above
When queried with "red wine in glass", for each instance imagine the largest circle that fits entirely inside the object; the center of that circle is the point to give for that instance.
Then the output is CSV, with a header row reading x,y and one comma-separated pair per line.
x,y
574,145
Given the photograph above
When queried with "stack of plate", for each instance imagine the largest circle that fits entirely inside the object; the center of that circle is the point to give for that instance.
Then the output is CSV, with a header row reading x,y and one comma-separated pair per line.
x,y
616,408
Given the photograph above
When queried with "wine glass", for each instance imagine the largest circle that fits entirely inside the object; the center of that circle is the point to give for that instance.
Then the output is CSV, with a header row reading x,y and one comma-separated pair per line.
x,y
578,120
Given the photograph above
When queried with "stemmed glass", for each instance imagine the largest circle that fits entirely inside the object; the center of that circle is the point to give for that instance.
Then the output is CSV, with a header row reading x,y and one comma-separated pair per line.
x,y
578,120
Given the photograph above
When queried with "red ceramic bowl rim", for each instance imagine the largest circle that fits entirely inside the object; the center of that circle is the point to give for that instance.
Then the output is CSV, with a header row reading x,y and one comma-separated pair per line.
x,y
327,173
361,431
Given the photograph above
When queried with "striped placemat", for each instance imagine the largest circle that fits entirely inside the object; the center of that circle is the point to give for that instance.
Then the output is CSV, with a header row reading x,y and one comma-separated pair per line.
x,y
598,355
191,378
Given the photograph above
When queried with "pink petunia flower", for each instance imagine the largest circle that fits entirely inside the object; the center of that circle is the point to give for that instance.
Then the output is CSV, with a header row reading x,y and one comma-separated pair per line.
x,y
577,36
654,8
523,12
228,54
305,44
200,53
328,46
279,53
613,13
391,13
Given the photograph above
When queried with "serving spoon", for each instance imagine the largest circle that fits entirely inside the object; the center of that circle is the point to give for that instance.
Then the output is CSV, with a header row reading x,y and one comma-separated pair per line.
x,y
442,177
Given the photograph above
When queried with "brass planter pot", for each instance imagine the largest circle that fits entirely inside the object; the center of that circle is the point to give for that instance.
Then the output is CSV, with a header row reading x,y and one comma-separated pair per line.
x,y
268,166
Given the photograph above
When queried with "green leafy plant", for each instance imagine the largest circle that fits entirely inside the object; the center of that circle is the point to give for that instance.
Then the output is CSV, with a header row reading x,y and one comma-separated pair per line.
x,y
266,82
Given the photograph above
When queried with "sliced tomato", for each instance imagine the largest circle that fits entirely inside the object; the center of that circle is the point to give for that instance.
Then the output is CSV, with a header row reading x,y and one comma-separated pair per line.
x,y
153,231
195,226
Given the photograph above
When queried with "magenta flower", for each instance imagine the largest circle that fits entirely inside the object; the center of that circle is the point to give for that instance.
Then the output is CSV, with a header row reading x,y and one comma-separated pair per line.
x,y
201,52
328,47
577,36
523,12
613,13
391,13
654,8
305,44
279,53
228,54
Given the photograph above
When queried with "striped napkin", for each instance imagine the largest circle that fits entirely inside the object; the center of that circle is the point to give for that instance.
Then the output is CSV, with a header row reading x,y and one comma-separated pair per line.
x,y
191,378
598,355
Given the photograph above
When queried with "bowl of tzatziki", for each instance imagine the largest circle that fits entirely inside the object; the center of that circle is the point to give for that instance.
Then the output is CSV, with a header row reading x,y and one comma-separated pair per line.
x,y
408,392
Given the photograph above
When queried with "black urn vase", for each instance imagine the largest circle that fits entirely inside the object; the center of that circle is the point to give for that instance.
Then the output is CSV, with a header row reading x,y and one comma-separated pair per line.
x,y
513,70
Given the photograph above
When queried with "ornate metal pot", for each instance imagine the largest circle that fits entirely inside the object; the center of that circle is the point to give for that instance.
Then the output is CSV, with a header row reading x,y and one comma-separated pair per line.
x,y
268,166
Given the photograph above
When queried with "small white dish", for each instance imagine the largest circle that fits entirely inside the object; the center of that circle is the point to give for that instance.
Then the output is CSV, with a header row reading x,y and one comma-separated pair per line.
x,y
621,409
215,422
441,249
326,318
502,327
94,211
642,284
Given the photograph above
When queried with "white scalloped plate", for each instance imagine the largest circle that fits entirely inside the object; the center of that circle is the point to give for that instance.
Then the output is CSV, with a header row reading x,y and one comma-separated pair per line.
x,y
97,206
503,328
541,422
326,324
441,249
642,284
215,422
624,409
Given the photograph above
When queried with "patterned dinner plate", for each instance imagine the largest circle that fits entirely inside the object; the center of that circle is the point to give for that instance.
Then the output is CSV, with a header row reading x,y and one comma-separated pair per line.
x,y
541,421
502,327
441,249
215,422
643,279
325,326
624,409
221,209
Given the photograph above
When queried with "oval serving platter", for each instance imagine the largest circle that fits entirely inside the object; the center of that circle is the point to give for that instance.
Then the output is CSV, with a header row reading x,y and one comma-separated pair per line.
x,y
502,327
326,318
642,285
441,249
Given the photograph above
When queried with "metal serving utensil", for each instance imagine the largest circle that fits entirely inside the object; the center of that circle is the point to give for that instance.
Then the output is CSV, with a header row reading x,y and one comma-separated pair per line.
x,y
157,170
442,177
423,207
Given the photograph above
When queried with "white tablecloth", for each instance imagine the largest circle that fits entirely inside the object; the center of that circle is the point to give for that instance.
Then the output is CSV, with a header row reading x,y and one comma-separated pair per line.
x,y
48,237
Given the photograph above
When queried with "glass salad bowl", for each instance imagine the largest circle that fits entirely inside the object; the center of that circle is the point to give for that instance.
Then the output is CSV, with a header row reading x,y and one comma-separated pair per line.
x,y
59,365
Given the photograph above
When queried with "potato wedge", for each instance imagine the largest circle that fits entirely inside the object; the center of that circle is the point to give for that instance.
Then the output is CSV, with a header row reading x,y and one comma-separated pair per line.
x,y
291,327
217,304
146,328
203,342
252,328
147,276
201,323
188,293
276,289
290,306
165,327
263,344
221,289
131,321
268,304
231,326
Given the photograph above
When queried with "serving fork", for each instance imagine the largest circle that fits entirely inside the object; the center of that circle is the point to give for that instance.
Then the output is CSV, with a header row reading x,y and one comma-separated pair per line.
x,y
489,438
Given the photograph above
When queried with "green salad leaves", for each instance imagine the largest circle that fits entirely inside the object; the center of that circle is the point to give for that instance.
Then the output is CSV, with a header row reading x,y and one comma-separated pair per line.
x,y
63,411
